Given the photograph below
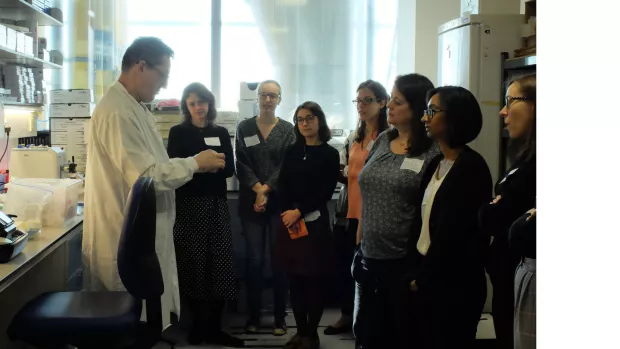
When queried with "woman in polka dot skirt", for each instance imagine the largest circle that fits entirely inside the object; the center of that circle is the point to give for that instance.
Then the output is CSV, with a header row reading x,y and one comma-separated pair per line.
x,y
202,231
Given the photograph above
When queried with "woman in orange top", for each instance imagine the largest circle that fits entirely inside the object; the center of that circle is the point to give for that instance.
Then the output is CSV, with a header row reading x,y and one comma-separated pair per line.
x,y
371,103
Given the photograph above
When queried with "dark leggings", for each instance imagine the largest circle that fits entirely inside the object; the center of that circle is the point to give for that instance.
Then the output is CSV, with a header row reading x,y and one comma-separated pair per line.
x,y
345,249
308,302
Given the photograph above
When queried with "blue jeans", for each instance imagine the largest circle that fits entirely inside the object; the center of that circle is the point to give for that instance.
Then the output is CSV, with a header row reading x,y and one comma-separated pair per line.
x,y
259,230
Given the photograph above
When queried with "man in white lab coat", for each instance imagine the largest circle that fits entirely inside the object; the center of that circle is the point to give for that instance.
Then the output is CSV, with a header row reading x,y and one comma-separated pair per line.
x,y
124,145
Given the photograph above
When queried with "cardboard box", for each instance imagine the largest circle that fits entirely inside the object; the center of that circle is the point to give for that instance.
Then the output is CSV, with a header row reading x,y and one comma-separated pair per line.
x,y
29,45
79,96
227,116
71,110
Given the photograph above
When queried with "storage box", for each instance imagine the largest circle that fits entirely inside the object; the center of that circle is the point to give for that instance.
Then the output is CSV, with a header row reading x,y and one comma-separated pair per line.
x,y
227,116
248,91
21,42
2,36
29,45
71,96
71,110
11,39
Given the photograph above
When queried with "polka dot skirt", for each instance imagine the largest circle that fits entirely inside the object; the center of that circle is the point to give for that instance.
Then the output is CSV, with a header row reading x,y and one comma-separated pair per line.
x,y
203,242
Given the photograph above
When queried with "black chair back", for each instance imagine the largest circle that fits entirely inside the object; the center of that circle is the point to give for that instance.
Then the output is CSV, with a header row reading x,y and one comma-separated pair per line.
x,y
138,265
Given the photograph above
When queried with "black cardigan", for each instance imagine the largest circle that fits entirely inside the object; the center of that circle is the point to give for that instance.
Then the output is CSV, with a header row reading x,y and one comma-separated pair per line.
x,y
518,191
187,140
458,245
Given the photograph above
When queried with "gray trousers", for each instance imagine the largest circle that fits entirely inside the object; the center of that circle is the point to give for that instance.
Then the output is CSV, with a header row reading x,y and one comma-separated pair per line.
x,y
525,305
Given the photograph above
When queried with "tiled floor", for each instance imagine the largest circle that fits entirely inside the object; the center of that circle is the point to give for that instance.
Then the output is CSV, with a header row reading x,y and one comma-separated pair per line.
x,y
266,340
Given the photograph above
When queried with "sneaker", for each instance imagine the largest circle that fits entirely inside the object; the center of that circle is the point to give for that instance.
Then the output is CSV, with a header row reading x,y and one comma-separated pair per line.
x,y
252,326
293,343
279,328
226,340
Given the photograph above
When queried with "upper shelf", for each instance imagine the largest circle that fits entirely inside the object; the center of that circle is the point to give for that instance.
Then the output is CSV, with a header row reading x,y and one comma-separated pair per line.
x,y
20,10
10,56
519,63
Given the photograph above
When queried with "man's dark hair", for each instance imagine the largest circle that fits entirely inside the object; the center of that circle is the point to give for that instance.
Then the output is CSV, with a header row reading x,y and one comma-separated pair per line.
x,y
149,49
325,135
462,114
203,94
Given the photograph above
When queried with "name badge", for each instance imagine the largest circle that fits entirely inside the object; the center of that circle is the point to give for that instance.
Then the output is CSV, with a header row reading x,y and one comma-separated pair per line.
x,y
213,141
370,144
414,165
251,141
312,216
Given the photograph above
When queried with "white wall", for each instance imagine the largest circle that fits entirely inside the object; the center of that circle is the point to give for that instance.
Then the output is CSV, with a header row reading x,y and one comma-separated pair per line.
x,y
429,15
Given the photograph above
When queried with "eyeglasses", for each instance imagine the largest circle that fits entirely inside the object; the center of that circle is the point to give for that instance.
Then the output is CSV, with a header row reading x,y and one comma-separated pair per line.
x,y
509,99
163,76
263,96
309,119
431,113
365,100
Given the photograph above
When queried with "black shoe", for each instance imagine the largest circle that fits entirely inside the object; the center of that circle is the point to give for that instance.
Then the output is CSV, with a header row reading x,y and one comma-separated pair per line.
x,y
224,339
331,330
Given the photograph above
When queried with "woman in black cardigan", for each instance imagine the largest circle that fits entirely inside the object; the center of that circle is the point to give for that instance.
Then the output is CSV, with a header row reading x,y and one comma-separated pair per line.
x,y
450,284
516,194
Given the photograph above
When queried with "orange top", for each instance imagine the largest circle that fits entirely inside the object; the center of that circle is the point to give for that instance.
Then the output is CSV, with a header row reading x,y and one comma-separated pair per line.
x,y
357,158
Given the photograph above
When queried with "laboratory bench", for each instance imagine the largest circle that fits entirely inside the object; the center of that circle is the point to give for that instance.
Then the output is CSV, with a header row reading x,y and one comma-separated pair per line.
x,y
50,262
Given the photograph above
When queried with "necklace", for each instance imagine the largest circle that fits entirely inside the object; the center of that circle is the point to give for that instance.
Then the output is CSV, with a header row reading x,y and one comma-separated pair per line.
x,y
305,155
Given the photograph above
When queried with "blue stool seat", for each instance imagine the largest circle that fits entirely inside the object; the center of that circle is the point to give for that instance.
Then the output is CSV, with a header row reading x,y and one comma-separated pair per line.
x,y
77,317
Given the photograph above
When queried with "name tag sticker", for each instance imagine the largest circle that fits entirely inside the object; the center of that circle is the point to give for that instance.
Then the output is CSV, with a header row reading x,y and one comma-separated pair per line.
x,y
213,141
251,141
414,165
312,216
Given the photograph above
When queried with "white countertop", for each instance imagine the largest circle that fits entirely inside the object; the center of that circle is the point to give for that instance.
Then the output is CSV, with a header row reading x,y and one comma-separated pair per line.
x,y
36,249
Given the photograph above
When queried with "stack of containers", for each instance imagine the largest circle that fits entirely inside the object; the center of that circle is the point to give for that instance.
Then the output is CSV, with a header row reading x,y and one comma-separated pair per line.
x,y
25,84
70,112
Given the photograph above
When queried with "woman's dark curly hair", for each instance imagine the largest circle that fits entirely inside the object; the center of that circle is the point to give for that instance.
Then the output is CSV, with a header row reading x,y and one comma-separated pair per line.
x,y
203,94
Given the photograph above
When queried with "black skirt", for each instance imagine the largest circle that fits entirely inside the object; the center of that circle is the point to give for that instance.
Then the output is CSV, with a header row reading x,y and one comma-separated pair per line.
x,y
312,255
203,245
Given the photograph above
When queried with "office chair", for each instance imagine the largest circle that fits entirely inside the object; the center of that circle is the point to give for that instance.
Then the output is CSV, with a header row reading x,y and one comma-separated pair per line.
x,y
98,320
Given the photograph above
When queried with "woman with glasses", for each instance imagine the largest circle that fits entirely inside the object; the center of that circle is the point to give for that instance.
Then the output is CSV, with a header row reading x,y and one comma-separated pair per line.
x,y
389,183
304,247
202,231
515,194
260,146
371,104
449,281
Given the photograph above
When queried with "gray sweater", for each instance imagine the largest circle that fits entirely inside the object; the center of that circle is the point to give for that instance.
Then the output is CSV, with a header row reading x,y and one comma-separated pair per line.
x,y
260,160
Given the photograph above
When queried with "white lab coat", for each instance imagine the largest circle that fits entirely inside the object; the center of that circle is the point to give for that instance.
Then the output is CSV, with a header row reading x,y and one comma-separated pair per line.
x,y
124,145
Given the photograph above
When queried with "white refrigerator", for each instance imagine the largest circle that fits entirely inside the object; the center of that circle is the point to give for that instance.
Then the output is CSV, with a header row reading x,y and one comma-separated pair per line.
x,y
470,50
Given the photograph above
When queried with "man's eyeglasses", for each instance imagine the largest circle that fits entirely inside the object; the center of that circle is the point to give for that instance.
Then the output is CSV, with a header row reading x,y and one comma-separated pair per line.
x,y
309,119
365,100
162,75
263,96
509,99
431,113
